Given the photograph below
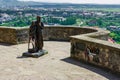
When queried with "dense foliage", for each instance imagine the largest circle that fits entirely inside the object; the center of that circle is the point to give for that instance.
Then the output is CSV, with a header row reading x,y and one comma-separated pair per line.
x,y
115,36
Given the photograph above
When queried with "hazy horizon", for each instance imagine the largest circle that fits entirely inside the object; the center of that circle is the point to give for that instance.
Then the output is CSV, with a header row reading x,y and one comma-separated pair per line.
x,y
117,2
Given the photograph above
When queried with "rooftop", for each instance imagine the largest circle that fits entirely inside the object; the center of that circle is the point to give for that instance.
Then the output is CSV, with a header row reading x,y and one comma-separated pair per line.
x,y
56,65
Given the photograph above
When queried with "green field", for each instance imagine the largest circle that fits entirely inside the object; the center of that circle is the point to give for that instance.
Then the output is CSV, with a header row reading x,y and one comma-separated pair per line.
x,y
102,9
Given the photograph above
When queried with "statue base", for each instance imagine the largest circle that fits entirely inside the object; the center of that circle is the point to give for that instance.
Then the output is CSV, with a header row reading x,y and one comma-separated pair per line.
x,y
36,54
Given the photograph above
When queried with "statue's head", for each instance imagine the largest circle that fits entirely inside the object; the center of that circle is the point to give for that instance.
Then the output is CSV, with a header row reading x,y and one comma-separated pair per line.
x,y
38,19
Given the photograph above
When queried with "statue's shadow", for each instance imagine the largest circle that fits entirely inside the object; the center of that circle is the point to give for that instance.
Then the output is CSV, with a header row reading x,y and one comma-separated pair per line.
x,y
20,57
23,56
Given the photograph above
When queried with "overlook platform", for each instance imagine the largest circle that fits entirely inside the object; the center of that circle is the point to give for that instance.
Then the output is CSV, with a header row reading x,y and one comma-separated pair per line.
x,y
56,65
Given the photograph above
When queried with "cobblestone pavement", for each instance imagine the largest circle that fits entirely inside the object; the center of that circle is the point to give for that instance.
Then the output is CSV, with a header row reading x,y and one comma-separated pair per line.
x,y
56,65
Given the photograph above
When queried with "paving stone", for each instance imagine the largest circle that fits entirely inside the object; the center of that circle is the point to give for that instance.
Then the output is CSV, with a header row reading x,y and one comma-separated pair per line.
x,y
56,65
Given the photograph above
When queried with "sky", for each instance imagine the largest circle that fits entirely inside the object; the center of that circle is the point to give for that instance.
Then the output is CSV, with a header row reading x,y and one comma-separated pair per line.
x,y
80,1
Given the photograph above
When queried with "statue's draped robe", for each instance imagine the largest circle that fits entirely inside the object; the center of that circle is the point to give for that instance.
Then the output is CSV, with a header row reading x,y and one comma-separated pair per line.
x,y
39,36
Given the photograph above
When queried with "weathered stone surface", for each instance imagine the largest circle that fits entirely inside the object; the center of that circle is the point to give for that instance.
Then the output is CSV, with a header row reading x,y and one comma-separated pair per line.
x,y
8,35
22,35
61,33
107,57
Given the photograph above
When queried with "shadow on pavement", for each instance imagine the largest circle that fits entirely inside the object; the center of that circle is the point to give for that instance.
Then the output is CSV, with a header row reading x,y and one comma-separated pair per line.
x,y
20,57
93,68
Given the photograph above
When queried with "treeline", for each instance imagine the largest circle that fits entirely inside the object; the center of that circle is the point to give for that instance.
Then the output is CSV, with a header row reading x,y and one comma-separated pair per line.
x,y
116,36
67,21
19,22
102,22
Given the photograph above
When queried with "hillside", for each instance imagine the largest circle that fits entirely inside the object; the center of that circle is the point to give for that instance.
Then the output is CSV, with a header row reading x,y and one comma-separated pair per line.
x,y
11,3
7,3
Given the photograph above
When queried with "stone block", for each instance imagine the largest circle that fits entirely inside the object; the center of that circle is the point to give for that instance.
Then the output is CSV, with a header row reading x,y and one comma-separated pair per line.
x,y
36,54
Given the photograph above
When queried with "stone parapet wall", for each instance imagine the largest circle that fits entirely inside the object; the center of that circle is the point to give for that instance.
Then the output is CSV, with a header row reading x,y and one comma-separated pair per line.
x,y
22,35
8,35
61,33
92,49
13,35
100,34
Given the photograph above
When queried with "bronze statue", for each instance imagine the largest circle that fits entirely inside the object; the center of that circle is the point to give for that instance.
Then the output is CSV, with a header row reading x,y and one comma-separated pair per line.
x,y
35,34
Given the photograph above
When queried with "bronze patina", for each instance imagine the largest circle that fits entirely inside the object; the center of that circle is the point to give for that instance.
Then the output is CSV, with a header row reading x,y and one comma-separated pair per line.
x,y
35,34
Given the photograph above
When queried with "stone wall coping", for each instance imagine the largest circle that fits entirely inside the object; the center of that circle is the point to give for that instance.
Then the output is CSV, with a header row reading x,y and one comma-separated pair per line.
x,y
14,28
99,32
59,26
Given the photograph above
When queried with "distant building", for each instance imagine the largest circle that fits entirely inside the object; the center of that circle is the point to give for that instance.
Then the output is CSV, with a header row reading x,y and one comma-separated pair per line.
x,y
59,18
113,28
28,14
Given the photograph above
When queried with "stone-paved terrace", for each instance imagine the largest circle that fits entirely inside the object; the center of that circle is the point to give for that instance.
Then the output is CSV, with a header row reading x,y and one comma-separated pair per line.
x,y
56,65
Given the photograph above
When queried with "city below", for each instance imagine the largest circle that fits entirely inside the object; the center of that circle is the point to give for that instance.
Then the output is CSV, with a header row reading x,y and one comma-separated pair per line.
x,y
13,14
